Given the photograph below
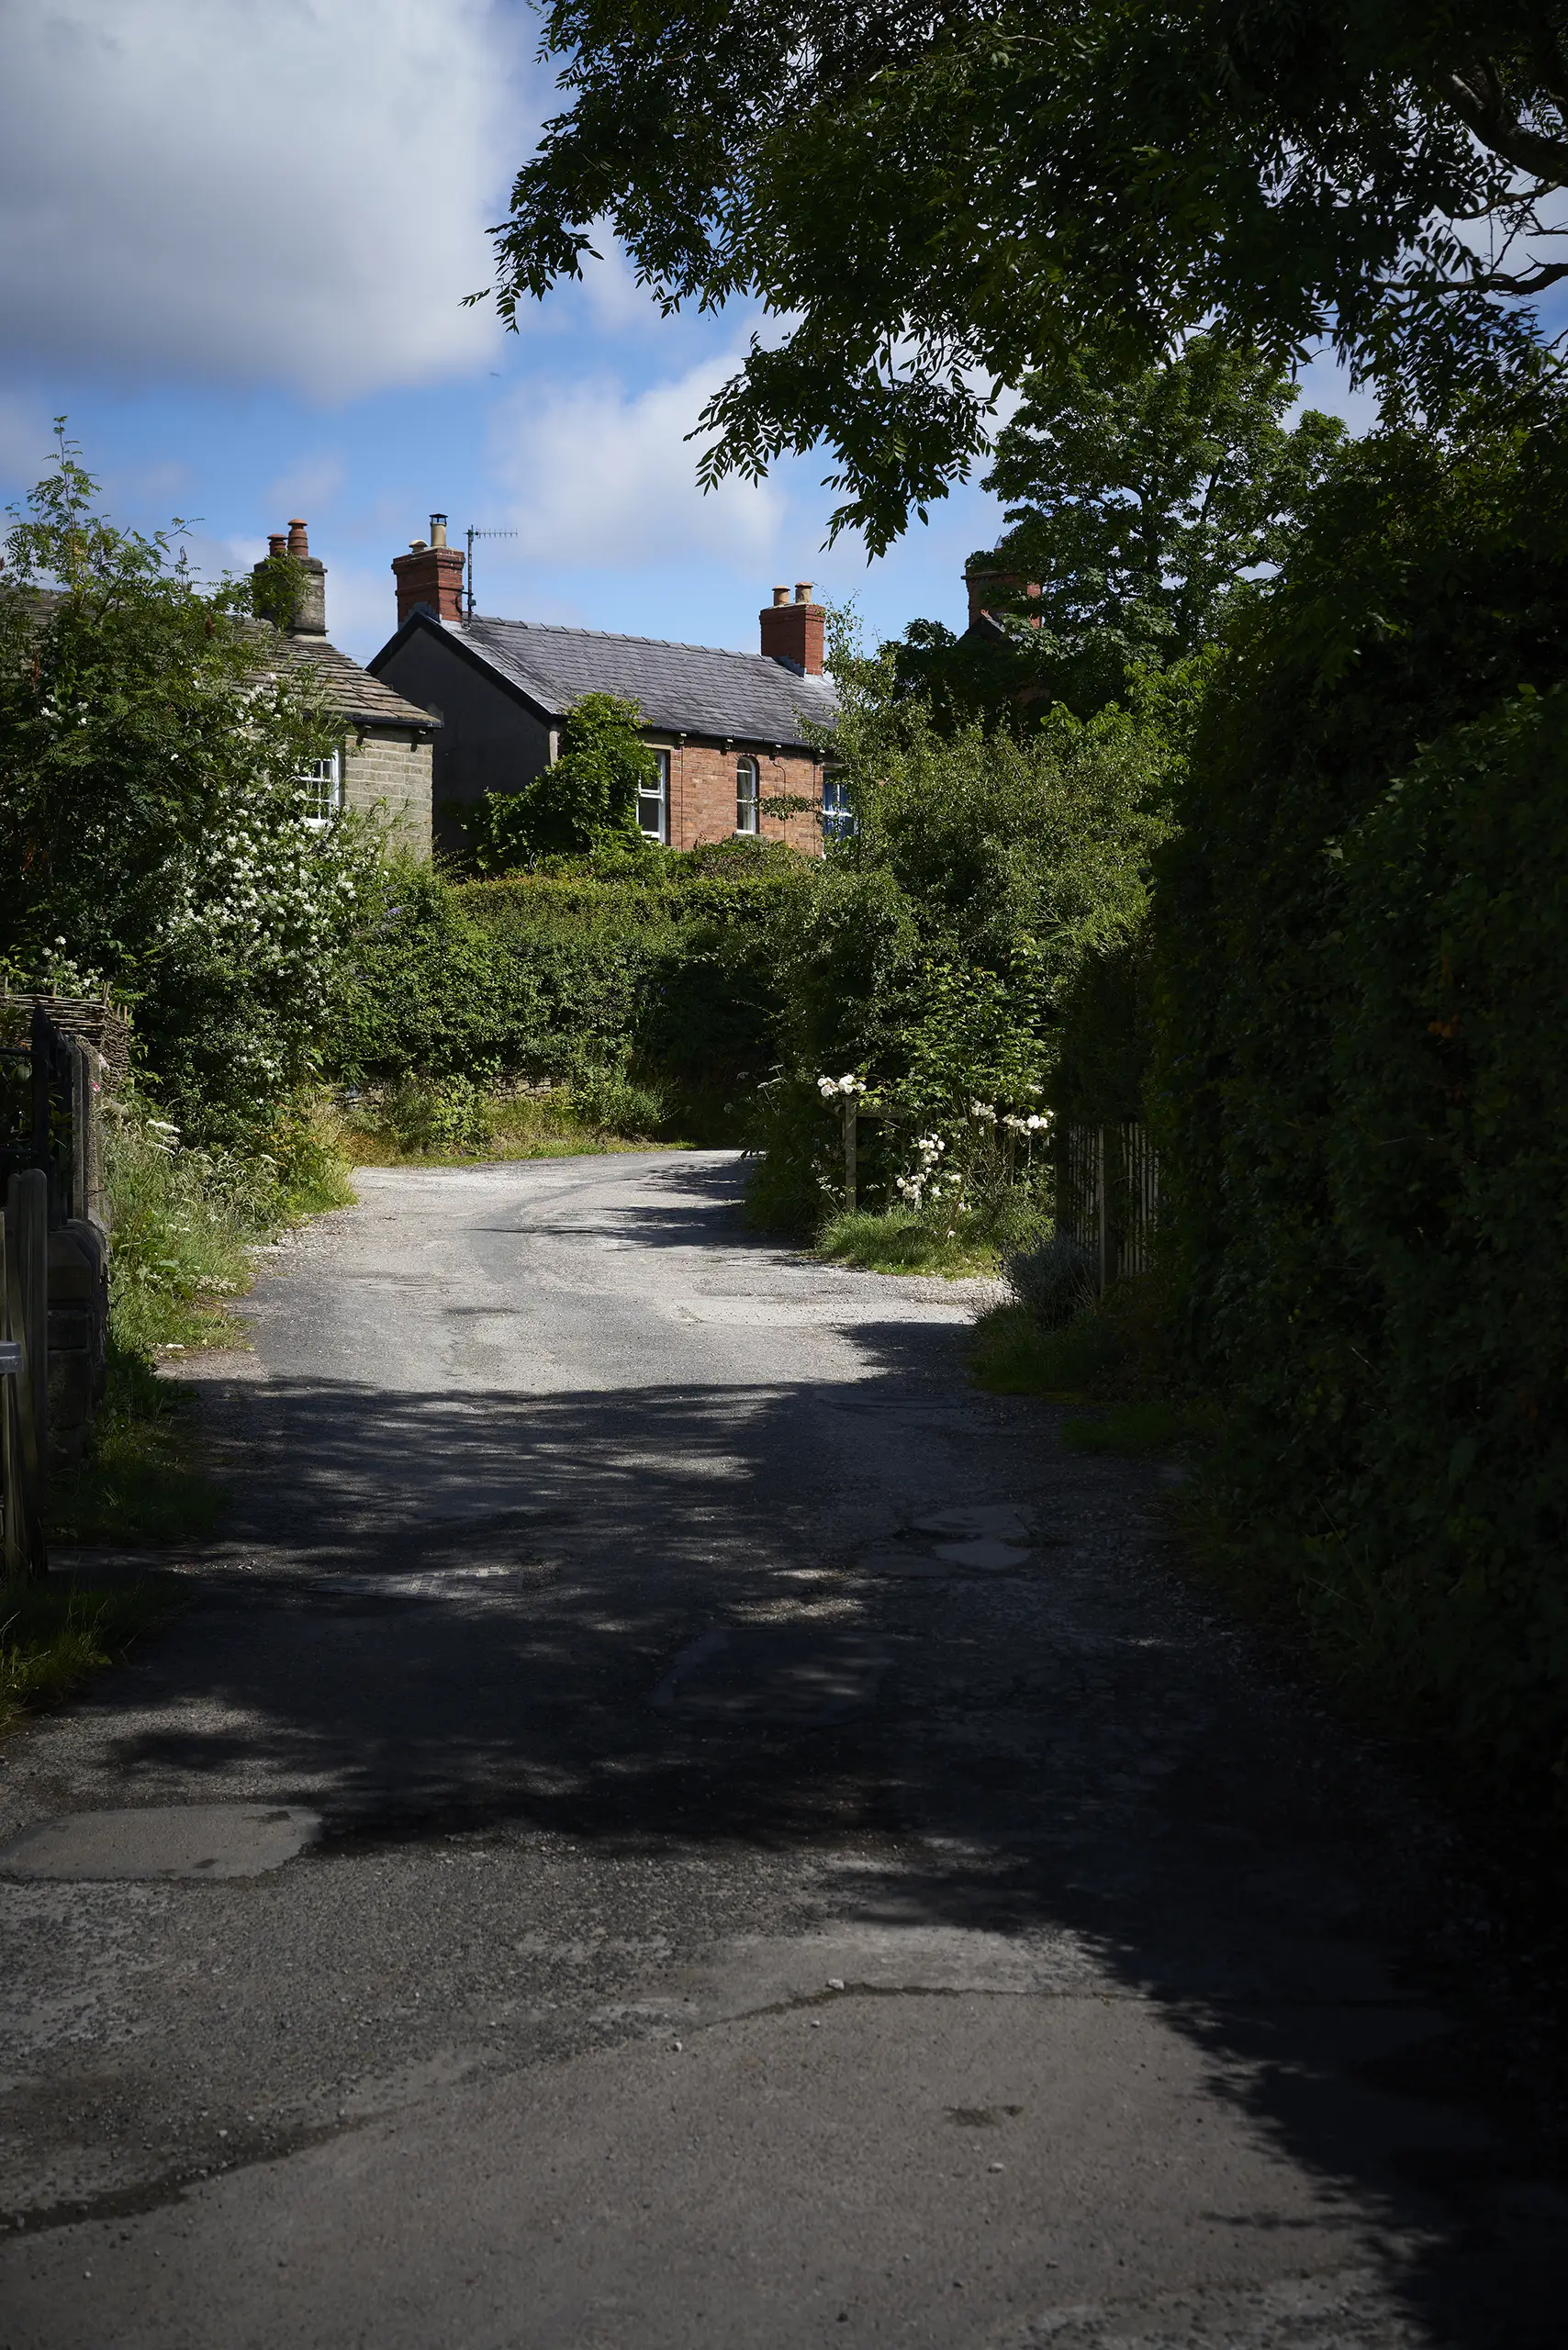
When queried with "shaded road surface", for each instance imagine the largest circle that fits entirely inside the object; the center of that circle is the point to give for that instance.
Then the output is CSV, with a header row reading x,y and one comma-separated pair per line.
x,y
751,1905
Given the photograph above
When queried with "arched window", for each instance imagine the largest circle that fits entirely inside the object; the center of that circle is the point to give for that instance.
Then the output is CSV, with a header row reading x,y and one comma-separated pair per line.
x,y
746,794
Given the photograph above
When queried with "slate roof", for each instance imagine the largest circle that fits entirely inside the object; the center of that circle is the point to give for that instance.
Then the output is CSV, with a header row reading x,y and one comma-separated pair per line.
x,y
353,691
680,688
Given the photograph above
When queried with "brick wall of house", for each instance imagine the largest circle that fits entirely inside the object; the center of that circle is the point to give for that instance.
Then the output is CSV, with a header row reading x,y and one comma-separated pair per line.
x,y
391,770
702,794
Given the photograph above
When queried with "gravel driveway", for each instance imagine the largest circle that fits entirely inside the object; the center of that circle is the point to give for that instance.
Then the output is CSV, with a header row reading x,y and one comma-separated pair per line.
x,y
672,1824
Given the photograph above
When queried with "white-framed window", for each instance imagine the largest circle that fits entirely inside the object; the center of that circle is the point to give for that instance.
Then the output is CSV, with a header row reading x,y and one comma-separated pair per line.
x,y
839,816
653,802
748,793
323,782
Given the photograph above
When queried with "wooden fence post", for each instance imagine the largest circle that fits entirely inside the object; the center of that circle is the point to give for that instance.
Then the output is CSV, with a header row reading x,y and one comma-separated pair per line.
x,y
25,1395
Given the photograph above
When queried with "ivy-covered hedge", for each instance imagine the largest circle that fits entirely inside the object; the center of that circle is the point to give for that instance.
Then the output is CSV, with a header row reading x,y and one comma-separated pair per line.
x,y
1361,946
669,971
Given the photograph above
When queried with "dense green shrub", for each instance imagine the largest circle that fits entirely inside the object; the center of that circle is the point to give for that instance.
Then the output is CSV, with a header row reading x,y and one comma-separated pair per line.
x,y
155,830
660,973
1363,966
938,955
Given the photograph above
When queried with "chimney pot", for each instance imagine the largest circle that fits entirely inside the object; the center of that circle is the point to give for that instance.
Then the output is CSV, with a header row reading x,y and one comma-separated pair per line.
x,y
429,576
793,632
308,617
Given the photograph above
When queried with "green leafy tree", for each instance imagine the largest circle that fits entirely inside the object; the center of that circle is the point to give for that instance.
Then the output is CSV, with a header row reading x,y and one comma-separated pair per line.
x,y
154,832
939,947
1138,506
934,201
586,799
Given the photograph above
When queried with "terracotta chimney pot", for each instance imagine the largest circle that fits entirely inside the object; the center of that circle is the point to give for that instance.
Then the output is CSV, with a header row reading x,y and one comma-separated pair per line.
x,y
298,539
429,576
793,633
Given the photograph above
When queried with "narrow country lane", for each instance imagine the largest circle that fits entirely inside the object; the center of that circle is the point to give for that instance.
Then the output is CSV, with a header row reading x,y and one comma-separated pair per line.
x,y
731,1840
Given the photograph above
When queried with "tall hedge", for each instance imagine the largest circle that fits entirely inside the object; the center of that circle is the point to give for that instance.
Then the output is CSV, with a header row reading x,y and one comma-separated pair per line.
x,y
1362,972
671,972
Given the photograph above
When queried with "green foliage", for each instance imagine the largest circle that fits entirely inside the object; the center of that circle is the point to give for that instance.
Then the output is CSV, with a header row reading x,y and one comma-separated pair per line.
x,y
1361,942
140,1480
935,954
53,1635
901,1240
184,1220
153,827
929,203
1114,1350
586,799
590,976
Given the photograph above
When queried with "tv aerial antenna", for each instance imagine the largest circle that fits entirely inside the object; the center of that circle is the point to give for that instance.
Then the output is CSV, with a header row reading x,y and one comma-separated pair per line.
x,y
474,535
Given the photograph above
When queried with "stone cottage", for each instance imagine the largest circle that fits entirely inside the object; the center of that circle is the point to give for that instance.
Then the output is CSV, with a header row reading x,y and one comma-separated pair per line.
x,y
382,763
728,730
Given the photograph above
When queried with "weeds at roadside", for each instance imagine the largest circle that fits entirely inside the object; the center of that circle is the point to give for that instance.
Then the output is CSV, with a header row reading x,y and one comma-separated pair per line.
x,y
140,1480
453,1122
54,1634
900,1241
1113,1354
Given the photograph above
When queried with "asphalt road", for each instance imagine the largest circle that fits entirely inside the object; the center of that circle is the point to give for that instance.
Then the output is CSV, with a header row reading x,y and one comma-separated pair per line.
x,y
724,1836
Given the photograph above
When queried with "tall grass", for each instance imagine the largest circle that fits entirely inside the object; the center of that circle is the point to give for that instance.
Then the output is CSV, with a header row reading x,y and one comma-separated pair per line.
x,y
444,1121
185,1222
52,1635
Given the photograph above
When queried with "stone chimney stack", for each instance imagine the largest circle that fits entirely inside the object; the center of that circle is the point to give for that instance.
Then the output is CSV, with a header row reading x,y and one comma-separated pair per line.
x,y
431,574
311,611
992,594
793,632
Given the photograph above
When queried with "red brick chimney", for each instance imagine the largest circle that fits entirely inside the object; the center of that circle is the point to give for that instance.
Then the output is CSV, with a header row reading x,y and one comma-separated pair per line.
x,y
431,574
992,594
793,632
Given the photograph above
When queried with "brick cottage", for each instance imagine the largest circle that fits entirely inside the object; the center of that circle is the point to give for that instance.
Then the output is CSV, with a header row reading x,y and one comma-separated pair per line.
x,y
729,729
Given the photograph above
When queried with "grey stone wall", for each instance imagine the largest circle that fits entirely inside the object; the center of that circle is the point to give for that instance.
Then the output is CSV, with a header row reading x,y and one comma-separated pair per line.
x,y
389,775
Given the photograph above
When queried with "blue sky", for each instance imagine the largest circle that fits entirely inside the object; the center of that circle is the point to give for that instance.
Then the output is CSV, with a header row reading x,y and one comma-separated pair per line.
x,y
234,240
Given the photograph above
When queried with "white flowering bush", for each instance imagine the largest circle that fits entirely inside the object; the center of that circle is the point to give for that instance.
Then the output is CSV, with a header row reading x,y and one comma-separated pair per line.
x,y
155,828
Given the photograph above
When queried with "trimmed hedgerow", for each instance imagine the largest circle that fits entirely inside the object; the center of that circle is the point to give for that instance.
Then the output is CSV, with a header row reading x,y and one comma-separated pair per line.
x,y
670,971
1361,949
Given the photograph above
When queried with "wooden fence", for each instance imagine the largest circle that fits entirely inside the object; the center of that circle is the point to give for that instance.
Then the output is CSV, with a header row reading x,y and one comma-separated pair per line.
x,y
53,1264
1108,1195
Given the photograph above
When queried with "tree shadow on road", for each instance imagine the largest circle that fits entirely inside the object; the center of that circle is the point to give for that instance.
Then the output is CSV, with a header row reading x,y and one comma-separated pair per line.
x,y
466,1608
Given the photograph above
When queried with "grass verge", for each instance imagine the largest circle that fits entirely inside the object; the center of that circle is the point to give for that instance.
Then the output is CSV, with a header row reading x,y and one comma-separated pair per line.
x,y
454,1122
54,1634
898,1240
141,1479
1116,1358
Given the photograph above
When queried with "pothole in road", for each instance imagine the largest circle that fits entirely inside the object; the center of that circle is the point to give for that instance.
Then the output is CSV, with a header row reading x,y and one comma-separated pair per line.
x,y
989,1538
196,1839
778,1674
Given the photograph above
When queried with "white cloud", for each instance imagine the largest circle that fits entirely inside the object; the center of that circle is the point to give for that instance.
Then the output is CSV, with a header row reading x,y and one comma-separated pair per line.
x,y
599,476
285,191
